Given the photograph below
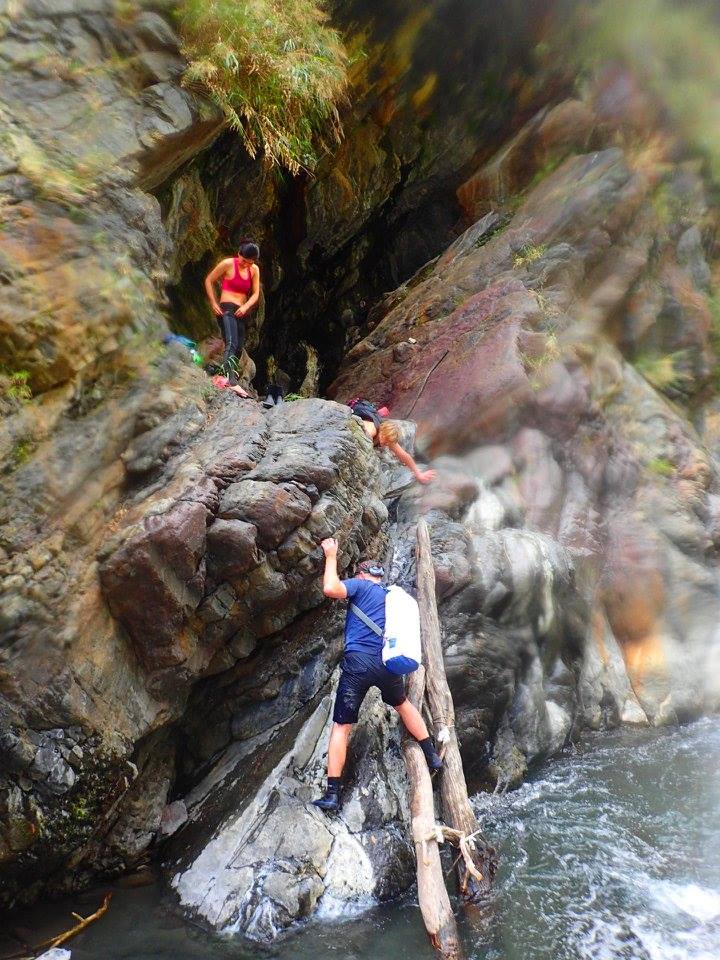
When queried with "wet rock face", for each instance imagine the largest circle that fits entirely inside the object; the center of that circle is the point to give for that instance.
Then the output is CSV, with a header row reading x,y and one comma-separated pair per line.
x,y
255,861
149,540
167,656
92,116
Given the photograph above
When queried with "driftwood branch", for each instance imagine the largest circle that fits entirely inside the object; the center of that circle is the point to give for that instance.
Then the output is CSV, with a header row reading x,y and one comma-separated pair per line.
x,y
61,938
465,842
476,867
432,894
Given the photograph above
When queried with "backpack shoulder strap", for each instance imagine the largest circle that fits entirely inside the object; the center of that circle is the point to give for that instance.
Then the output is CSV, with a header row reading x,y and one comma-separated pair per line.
x,y
366,619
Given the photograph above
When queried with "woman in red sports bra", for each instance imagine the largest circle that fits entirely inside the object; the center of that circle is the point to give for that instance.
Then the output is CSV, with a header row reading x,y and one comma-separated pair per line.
x,y
240,292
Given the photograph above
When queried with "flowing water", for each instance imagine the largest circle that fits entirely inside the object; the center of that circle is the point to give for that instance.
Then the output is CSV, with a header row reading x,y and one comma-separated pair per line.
x,y
609,853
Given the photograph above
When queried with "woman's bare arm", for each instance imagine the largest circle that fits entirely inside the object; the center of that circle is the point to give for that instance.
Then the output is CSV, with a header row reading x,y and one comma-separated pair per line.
x,y
210,280
423,476
254,296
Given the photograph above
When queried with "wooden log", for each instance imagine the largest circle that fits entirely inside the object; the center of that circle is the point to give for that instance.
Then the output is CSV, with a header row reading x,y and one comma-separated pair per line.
x,y
456,808
433,897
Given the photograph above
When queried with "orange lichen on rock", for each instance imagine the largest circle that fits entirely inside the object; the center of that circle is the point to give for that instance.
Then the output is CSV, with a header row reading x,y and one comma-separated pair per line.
x,y
634,603
644,659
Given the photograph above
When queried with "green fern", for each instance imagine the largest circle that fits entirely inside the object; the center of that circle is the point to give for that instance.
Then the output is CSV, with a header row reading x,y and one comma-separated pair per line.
x,y
21,452
661,466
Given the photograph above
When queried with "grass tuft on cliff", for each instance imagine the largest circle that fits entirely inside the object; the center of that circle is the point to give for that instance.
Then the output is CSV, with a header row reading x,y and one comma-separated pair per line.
x,y
276,70
664,372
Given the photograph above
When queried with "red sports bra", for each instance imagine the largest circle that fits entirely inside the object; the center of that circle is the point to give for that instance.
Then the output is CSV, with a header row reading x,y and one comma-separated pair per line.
x,y
236,283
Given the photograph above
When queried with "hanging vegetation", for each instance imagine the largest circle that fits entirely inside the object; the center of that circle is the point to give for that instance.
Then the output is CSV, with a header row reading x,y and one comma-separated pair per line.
x,y
276,69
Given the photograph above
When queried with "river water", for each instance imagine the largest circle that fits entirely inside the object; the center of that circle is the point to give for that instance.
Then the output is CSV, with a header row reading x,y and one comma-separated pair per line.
x,y
609,853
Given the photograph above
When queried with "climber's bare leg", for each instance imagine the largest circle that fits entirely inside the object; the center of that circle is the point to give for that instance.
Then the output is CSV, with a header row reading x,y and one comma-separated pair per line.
x,y
337,748
414,723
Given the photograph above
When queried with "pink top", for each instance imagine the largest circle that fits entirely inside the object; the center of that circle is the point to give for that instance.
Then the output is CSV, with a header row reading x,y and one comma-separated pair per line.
x,y
237,283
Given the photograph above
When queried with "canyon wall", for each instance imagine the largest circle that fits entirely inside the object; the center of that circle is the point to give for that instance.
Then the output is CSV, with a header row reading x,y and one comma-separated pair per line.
x,y
167,659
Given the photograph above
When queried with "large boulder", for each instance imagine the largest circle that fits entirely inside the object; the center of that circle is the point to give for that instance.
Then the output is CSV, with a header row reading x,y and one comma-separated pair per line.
x,y
134,596
254,855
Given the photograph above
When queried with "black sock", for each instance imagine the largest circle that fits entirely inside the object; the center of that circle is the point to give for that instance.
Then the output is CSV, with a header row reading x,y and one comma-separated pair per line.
x,y
333,783
427,745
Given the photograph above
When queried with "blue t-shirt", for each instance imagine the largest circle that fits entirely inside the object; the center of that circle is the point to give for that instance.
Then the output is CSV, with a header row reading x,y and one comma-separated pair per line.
x,y
370,598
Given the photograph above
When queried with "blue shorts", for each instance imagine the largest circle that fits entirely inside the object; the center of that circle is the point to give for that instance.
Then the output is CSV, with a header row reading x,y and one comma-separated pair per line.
x,y
360,671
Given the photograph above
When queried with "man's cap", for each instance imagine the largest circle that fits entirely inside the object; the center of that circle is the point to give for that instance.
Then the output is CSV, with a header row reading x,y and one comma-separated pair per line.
x,y
372,567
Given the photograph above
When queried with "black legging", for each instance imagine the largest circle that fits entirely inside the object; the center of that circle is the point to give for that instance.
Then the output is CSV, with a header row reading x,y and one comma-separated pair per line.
x,y
233,333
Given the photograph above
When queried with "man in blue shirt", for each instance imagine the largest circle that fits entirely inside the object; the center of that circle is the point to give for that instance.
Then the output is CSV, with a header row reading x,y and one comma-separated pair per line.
x,y
362,668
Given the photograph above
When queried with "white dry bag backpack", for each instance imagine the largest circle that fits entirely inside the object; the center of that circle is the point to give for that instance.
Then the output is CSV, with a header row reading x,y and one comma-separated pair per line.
x,y
401,651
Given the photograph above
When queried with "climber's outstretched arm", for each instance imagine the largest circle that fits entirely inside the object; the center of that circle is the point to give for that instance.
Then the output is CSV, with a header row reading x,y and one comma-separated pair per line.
x,y
423,476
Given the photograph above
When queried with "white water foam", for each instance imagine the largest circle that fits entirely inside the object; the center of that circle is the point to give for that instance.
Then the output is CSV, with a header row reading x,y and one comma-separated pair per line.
x,y
695,901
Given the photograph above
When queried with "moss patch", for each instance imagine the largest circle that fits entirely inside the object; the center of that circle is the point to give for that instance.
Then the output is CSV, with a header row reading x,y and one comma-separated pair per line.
x,y
528,254
661,466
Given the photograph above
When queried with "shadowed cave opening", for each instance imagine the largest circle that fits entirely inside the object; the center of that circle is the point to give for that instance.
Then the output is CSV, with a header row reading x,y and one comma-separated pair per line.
x,y
438,97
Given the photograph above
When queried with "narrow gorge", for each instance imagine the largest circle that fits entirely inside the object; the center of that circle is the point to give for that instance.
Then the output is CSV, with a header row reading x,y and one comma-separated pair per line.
x,y
519,258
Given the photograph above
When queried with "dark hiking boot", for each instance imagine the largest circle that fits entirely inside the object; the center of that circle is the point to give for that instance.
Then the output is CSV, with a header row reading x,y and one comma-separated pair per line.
x,y
330,801
269,401
432,757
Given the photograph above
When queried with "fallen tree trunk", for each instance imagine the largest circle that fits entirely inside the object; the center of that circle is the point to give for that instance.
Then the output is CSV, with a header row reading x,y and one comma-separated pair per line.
x,y
475,869
432,894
